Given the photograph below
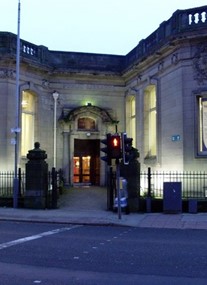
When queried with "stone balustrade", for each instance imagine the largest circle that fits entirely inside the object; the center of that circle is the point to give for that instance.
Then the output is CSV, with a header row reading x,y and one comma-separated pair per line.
x,y
182,21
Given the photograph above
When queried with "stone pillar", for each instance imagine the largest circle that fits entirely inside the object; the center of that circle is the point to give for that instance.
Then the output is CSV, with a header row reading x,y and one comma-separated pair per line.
x,y
66,157
36,179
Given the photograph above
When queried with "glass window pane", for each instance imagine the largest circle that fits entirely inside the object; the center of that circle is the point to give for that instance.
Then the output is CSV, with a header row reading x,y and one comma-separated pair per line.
x,y
133,111
202,125
150,122
27,133
86,124
27,124
27,102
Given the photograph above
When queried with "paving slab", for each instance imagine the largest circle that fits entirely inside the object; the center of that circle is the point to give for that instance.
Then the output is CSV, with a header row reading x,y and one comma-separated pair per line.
x,y
89,206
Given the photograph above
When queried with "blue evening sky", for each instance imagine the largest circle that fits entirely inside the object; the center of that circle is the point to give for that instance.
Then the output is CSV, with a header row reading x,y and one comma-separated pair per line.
x,y
97,26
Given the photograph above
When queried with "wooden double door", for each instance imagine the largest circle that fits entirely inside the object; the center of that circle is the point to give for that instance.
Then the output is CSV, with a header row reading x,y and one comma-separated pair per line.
x,y
86,162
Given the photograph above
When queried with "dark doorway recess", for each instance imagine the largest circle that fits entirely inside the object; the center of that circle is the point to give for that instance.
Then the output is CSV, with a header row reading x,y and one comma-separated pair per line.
x,y
86,162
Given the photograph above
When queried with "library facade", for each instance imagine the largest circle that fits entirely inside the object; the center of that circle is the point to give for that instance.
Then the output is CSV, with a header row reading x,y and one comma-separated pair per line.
x,y
69,101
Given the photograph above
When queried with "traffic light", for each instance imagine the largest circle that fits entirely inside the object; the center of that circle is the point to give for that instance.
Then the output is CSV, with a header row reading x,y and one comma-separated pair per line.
x,y
106,149
115,146
126,147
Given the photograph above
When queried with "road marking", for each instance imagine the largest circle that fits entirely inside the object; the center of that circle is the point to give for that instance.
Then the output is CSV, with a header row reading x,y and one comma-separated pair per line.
x,y
41,235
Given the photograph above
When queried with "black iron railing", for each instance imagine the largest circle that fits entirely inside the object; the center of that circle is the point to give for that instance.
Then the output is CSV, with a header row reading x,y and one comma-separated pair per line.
x,y
6,183
55,185
194,184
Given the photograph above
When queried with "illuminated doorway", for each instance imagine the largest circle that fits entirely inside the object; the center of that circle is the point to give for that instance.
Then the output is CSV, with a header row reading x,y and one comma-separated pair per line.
x,y
81,169
86,162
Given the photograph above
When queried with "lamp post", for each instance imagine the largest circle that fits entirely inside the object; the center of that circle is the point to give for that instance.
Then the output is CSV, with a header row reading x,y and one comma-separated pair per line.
x,y
16,130
55,97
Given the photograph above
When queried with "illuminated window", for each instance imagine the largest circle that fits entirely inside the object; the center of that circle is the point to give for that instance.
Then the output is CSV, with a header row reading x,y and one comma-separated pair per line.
x,y
86,124
202,125
150,122
131,118
27,124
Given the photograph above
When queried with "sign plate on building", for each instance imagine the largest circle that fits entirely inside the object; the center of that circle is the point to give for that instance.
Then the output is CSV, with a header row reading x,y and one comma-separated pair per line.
x,y
175,138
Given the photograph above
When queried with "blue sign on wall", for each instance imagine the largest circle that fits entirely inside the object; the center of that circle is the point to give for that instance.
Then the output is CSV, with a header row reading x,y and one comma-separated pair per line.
x,y
175,138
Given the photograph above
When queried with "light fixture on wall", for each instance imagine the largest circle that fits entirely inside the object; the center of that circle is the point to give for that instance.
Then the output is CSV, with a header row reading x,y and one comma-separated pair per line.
x,y
55,95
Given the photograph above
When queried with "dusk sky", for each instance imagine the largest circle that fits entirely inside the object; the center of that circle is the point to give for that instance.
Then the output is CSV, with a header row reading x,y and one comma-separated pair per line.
x,y
96,26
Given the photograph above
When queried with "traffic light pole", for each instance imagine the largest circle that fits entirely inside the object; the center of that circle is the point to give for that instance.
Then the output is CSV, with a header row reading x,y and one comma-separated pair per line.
x,y
113,151
118,187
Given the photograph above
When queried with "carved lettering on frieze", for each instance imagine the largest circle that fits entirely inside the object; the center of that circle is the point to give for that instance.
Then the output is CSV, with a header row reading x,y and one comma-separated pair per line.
x,y
200,64
7,73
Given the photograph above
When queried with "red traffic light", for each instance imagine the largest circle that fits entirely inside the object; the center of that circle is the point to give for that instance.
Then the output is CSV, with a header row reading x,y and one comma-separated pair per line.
x,y
116,142
115,146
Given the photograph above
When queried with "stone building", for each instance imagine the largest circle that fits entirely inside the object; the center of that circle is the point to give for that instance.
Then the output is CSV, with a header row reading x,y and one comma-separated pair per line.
x,y
157,93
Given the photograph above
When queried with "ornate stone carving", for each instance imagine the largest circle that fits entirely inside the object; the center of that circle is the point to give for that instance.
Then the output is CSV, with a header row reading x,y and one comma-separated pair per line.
x,y
106,115
7,73
174,58
161,66
200,64
45,83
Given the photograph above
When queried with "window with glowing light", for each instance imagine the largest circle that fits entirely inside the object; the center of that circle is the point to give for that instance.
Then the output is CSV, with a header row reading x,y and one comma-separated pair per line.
x,y
131,118
202,126
86,124
150,122
27,122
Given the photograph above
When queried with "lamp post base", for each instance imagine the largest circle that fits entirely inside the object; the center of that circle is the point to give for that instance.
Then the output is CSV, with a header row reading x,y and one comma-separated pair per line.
x,y
15,192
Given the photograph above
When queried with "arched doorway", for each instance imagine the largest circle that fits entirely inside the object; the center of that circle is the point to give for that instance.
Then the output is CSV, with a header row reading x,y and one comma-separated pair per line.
x,y
81,147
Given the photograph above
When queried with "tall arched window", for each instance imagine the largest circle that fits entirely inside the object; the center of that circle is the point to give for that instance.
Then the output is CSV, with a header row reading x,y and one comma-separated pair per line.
x,y
150,122
131,118
202,124
27,122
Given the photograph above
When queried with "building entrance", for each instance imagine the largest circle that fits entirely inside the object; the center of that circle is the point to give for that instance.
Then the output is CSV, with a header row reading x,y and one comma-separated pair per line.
x,y
86,162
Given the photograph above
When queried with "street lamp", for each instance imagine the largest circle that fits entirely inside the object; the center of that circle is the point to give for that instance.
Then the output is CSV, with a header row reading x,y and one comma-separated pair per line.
x,y
55,95
16,130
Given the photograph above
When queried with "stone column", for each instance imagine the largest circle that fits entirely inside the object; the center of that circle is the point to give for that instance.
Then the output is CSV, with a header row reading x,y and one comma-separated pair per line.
x,y
66,157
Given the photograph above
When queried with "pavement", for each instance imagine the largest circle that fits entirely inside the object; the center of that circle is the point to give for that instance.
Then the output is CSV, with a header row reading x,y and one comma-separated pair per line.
x,y
88,206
